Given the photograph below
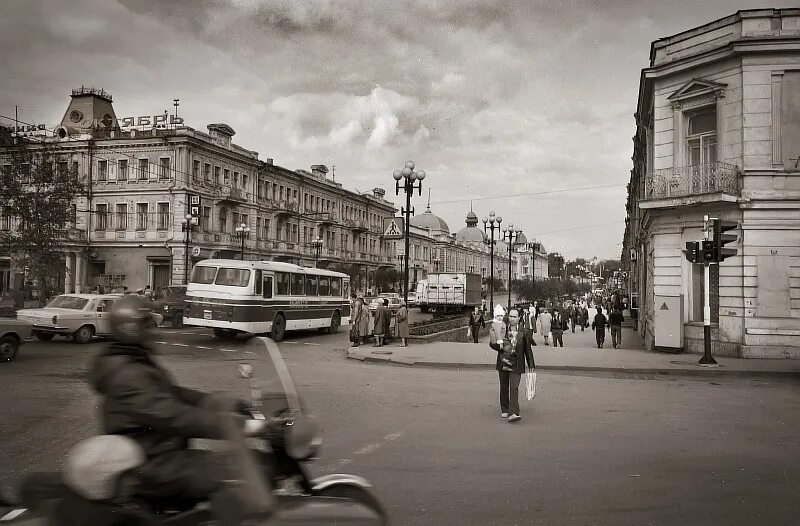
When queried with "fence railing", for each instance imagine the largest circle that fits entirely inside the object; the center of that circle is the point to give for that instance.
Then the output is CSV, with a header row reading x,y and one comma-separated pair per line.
x,y
706,178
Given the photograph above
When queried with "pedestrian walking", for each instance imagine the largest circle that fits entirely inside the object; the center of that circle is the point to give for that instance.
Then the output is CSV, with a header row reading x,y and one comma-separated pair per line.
x,y
599,327
573,315
557,326
476,323
381,318
360,320
402,324
615,320
513,343
544,321
584,317
530,318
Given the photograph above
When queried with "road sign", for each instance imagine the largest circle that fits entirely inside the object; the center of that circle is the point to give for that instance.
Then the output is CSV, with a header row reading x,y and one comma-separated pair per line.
x,y
195,251
195,205
393,227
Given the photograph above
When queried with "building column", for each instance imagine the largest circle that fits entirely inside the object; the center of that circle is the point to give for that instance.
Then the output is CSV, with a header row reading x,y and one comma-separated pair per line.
x,y
79,273
68,276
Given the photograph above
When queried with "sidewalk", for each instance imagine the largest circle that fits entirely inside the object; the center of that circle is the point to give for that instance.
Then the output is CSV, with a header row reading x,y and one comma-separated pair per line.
x,y
580,358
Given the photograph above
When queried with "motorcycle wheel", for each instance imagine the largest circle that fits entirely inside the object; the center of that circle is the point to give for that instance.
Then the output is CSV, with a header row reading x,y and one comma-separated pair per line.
x,y
356,493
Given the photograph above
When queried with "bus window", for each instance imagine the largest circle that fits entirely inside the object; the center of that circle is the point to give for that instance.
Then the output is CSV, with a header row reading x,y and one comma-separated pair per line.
x,y
336,287
267,289
281,283
258,282
233,277
311,285
346,289
298,282
203,275
324,286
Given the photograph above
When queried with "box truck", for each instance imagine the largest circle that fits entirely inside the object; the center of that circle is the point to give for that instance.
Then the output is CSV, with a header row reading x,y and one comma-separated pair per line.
x,y
449,291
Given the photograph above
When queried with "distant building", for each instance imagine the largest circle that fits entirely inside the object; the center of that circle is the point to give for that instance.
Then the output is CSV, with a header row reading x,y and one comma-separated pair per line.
x,y
718,133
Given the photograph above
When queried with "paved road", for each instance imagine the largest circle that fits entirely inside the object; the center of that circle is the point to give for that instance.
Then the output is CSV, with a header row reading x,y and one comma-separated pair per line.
x,y
588,450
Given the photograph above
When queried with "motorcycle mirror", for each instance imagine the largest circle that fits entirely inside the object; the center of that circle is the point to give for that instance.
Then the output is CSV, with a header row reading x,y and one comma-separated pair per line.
x,y
245,370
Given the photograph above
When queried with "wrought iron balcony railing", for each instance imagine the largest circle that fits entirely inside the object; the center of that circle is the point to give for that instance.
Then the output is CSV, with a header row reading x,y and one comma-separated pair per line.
x,y
709,178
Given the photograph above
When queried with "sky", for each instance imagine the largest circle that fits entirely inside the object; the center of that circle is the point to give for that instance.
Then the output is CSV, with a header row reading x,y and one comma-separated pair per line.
x,y
497,100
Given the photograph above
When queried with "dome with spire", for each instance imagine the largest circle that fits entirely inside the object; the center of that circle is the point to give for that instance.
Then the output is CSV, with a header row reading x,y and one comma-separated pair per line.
x,y
431,221
471,233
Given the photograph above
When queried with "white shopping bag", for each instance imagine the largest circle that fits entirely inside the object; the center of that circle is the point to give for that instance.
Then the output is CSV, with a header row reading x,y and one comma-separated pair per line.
x,y
530,381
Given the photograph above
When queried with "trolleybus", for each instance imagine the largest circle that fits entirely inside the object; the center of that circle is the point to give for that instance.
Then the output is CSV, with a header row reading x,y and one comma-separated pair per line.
x,y
257,297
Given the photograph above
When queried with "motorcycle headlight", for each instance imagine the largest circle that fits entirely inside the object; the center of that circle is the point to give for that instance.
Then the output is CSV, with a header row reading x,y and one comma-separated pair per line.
x,y
166,307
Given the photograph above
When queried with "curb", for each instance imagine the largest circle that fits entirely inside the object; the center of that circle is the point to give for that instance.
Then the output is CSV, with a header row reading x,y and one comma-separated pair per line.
x,y
707,372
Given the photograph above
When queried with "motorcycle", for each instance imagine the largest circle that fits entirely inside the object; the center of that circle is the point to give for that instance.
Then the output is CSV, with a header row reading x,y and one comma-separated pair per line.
x,y
273,493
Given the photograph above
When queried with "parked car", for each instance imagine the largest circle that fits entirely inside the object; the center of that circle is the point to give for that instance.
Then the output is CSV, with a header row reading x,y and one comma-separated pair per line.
x,y
12,334
394,304
79,316
169,302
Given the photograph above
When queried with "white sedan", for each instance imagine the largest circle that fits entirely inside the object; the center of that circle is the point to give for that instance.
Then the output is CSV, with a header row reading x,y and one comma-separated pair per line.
x,y
80,316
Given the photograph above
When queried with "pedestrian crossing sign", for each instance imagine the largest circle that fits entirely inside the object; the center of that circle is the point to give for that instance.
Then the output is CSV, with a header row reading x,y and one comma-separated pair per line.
x,y
393,227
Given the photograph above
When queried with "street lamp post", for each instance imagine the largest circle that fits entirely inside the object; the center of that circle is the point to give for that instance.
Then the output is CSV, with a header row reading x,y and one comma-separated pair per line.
x,y
492,224
510,235
408,175
316,244
187,225
243,232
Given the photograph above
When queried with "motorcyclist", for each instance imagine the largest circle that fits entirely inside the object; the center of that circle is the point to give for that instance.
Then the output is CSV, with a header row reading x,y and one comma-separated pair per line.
x,y
141,401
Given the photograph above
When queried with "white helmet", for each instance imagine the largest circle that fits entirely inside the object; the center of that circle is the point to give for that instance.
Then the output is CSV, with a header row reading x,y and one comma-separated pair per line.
x,y
93,466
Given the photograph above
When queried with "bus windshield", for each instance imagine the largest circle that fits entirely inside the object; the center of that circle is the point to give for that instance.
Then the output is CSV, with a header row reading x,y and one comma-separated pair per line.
x,y
204,275
233,277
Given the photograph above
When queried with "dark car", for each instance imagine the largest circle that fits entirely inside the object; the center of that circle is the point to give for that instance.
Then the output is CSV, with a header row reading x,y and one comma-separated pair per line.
x,y
12,334
170,304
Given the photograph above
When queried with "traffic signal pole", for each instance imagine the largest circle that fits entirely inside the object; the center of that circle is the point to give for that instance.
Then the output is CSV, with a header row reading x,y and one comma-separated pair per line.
x,y
707,360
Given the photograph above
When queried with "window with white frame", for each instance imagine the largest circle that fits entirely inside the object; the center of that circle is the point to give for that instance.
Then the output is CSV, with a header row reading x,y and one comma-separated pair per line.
x,y
701,136
163,168
101,216
163,216
102,170
226,177
144,168
141,216
205,219
122,216
195,169
122,167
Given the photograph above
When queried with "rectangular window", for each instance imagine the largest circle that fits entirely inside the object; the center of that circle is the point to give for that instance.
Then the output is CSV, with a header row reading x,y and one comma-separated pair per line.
x,y
282,283
143,168
244,182
101,215
266,228
258,228
73,215
163,216
102,170
235,218
122,216
195,170
336,287
324,286
63,169
311,285
207,172
233,277
217,171
122,167
701,137
75,174
226,177
236,179
205,219
281,192
266,290
5,219
141,216
298,282
245,219
203,275
257,282
163,168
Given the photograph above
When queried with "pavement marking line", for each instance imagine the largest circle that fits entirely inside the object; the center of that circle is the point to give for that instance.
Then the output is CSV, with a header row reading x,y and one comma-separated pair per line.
x,y
296,343
307,343
394,436
229,350
181,344
366,450
162,343
202,347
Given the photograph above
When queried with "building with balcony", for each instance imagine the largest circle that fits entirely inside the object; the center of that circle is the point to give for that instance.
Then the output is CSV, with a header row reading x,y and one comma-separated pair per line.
x,y
718,133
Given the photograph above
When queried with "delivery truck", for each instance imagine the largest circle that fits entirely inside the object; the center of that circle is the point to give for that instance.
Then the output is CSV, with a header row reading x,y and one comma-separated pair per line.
x,y
449,291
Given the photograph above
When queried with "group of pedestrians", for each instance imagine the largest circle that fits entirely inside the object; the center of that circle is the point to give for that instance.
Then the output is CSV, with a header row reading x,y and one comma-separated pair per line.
x,y
360,322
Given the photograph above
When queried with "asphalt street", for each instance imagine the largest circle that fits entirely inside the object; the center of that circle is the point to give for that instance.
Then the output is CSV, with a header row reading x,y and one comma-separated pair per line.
x,y
588,450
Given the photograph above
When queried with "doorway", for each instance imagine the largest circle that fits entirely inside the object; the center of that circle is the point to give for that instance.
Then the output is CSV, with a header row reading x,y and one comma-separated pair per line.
x,y
161,275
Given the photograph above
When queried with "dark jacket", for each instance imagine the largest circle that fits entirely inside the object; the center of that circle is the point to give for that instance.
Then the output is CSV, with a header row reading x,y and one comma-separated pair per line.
x,y
140,400
523,350
381,317
616,318
558,324
477,321
599,322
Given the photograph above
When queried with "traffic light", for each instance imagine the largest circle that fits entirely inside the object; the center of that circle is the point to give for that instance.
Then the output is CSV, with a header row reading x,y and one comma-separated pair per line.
x,y
721,239
708,251
692,251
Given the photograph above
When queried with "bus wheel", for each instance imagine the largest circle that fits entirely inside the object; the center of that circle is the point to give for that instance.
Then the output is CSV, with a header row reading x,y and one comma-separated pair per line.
x,y
278,328
336,320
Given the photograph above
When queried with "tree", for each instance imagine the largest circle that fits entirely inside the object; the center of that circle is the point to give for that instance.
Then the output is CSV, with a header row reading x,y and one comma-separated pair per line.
x,y
352,270
386,278
499,284
37,193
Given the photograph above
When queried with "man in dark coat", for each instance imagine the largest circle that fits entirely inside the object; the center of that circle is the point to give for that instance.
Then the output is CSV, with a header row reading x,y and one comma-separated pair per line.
x,y
518,340
381,317
476,323
599,327
141,401
557,327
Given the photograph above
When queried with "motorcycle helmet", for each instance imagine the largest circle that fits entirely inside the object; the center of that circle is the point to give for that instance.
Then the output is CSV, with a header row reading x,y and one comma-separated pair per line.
x,y
94,466
131,320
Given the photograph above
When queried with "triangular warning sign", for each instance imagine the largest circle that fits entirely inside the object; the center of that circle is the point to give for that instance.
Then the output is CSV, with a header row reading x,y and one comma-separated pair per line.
x,y
664,306
392,229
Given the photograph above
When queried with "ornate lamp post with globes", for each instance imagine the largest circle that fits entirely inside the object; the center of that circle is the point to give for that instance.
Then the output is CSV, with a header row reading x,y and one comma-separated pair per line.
x,y
492,223
187,225
510,235
408,176
242,232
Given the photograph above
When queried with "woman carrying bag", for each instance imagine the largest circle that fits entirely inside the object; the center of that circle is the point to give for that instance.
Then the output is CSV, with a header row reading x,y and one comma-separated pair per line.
x,y
513,343
402,324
